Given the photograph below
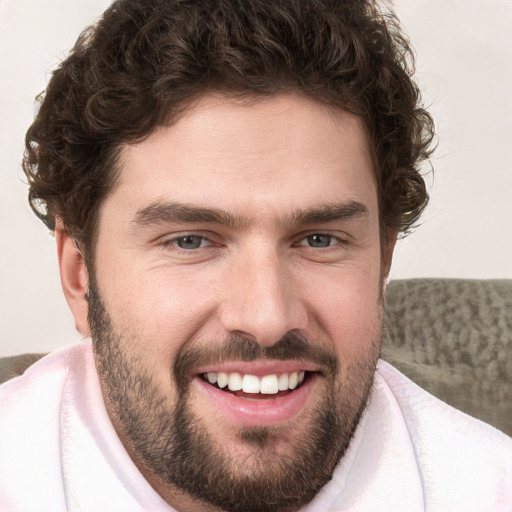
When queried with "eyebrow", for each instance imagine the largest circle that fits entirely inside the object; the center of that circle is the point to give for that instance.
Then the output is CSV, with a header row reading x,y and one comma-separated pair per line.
x,y
329,213
160,212
163,212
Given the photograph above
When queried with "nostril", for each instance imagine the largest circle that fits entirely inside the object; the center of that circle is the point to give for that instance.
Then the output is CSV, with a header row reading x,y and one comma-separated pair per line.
x,y
265,318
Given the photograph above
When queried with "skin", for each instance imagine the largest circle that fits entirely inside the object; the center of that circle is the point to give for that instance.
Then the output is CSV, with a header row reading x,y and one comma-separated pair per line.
x,y
257,276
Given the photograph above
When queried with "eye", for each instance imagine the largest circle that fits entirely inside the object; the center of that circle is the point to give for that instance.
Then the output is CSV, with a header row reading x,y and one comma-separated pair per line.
x,y
189,242
319,240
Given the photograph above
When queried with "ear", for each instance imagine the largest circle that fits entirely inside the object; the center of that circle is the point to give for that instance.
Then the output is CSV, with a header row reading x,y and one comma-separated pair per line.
x,y
388,246
74,277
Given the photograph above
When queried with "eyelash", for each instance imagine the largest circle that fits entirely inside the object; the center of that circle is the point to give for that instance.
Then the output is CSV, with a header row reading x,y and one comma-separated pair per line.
x,y
172,242
334,238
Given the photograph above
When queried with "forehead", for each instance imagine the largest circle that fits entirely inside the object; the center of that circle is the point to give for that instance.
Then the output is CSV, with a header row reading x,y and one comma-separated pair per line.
x,y
278,152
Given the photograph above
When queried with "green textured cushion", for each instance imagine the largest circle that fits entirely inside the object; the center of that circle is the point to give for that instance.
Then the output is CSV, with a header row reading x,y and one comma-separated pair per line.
x,y
13,366
454,338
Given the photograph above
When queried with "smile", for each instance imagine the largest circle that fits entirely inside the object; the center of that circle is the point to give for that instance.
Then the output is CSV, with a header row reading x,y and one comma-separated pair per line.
x,y
258,395
271,384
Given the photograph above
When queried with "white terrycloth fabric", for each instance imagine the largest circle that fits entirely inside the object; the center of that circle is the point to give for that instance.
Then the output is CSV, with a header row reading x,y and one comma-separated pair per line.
x,y
411,452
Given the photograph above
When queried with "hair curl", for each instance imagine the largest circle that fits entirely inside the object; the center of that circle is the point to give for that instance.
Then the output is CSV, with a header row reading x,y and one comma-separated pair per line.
x,y
139,65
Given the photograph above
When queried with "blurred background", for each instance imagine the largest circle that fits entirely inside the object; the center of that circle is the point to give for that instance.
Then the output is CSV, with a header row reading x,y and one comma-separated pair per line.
x,y
464,68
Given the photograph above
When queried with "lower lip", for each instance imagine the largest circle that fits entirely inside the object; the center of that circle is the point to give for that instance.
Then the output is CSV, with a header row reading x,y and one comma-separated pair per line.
x,y
254,412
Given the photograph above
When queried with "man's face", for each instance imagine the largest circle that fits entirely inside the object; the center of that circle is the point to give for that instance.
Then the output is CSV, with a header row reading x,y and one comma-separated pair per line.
x,y
240,248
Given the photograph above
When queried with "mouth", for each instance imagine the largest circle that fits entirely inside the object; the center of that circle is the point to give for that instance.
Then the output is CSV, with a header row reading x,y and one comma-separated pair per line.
x,y
254,387
258,395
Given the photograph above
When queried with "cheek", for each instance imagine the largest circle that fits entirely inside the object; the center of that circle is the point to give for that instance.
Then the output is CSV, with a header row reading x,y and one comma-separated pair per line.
x,y
348,310
162,309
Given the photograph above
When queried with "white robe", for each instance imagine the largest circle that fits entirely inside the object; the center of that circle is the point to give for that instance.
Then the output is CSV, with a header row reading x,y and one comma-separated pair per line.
x,y
411,452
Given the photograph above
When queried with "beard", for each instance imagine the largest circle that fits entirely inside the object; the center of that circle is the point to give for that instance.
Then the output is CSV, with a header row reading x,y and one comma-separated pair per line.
x,y
175,445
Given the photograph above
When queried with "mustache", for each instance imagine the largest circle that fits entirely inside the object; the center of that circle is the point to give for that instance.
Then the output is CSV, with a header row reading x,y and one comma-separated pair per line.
x,y
292,346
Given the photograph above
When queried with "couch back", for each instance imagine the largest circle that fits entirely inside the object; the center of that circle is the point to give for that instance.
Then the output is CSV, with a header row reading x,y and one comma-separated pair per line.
x,y
454,338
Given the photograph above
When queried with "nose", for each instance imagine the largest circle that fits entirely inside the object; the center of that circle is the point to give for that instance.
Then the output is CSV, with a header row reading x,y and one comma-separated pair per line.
x,y
261,299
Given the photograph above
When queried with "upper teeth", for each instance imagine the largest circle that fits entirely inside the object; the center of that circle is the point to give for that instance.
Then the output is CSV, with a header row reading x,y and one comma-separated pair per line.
x,y
268,384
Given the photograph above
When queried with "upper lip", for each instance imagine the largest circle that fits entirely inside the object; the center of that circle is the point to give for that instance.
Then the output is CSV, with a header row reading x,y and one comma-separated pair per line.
x,y
259,368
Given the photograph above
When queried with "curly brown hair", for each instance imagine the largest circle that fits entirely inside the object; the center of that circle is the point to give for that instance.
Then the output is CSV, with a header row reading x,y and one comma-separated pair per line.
x,y
141,63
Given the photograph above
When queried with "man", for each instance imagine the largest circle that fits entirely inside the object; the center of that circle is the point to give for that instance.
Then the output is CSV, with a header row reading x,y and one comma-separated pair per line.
x,y
226,180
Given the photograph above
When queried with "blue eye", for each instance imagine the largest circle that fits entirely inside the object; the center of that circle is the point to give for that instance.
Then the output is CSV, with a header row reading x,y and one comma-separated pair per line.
x,y
319,241
190,242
